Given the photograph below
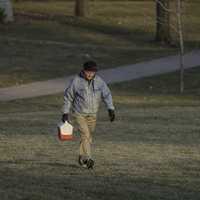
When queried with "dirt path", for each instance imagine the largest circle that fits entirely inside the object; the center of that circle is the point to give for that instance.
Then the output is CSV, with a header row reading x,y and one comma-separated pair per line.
x,y
119,74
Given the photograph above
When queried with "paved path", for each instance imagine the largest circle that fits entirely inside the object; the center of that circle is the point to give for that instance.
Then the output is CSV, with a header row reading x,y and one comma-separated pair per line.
x,y
119,74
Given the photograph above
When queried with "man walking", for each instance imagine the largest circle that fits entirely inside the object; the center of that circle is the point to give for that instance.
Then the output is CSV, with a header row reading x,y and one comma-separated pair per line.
x,y
81,100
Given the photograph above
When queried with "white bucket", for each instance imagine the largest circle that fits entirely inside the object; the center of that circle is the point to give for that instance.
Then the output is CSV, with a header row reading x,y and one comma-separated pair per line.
x,y
65,131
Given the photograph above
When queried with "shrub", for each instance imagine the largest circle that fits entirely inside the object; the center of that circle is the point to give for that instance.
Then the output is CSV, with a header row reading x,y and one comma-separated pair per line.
x,y
2,15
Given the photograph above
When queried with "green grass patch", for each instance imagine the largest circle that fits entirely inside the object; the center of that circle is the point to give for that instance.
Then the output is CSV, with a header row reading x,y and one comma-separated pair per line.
x,y
132,15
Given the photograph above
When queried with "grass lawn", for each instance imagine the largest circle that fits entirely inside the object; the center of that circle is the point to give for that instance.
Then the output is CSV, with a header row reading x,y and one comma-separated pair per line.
x,y
151,151
35,48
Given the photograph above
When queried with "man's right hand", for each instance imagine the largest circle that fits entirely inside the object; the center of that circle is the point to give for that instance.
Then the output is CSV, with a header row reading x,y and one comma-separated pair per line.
x,y
65,117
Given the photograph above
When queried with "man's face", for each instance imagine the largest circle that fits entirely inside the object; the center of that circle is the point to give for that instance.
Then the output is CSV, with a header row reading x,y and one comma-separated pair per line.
x,y
89,75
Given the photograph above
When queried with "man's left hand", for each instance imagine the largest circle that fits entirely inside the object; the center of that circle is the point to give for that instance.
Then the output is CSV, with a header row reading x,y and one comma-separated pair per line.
x,y
111,114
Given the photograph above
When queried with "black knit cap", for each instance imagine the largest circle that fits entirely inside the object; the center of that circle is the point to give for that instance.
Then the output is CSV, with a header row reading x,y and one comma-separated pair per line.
x,y
90,66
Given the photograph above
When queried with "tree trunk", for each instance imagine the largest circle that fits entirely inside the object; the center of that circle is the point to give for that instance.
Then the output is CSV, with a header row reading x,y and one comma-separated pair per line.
x,y
6,6
82,8
163,21
181,44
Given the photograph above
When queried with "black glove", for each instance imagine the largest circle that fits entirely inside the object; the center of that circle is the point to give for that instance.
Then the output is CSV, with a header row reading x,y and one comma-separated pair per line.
x,y
111,114
65,117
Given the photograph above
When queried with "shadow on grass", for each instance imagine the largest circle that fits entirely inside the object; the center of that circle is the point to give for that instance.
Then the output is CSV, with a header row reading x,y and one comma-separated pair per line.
x,y
36,162
135,36
116,31
21,184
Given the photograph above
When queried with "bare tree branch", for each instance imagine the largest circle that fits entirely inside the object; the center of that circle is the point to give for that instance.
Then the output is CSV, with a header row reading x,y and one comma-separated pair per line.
x,y
164,7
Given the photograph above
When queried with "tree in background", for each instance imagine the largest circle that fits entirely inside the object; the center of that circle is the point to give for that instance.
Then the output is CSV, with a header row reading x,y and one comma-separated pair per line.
x,y
179,14
6,11
163,14
163,21
81,8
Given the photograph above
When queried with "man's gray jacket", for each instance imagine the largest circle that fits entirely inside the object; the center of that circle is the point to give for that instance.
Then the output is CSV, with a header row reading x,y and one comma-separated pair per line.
x,y
82,96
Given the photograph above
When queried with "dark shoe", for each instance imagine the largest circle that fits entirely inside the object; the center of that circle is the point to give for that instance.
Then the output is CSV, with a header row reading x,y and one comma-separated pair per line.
x,y
90,164
82,162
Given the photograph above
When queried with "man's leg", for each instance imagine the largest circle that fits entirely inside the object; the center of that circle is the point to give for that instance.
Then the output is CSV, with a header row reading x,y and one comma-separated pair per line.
x,y
91,121
86,140
86,126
